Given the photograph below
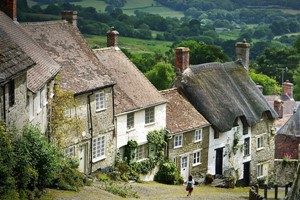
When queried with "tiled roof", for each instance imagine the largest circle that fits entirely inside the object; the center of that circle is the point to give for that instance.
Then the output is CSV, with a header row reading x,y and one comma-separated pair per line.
x,y
81,70
12,59
45,68
181,115
221,92
133,90
288,103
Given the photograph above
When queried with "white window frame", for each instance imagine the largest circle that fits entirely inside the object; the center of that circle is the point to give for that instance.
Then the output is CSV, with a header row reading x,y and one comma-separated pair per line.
x,y
150,115
70,151
30,106
142,152
197,158
178,141
37,99
198,135
100,101
44,96
98,148
260,142
249,147
130,121
260,170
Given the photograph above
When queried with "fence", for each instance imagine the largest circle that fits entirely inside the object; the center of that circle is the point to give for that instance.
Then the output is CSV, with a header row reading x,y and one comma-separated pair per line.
x,y
254,194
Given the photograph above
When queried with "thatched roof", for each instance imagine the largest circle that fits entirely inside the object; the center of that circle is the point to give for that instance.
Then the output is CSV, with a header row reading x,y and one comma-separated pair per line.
x,y
221,92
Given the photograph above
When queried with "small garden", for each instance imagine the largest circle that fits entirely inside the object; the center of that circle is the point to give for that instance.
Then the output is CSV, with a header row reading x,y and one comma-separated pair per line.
x,y
30,164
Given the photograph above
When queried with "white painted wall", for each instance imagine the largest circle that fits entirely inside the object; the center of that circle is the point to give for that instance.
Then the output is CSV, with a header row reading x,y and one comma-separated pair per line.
x,y
225,138
140,130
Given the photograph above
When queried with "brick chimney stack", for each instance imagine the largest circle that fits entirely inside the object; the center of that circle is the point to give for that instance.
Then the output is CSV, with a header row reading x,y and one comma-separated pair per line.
x,y
70,16
112,38
278,107
242,51
182,58
10,8
287,89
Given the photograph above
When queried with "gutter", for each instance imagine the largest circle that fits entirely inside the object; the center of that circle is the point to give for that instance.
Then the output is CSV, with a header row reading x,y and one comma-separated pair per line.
x,y
4,112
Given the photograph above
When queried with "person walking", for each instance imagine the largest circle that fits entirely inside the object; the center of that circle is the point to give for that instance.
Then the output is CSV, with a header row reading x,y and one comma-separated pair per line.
x,y
190,186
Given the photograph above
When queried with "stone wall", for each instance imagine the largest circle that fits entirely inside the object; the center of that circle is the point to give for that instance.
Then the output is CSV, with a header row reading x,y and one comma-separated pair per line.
x,y
101,124
284,171
188,148
17,115
263,155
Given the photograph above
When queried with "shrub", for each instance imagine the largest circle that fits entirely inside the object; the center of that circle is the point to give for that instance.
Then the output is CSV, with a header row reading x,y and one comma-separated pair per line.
x,y
168,173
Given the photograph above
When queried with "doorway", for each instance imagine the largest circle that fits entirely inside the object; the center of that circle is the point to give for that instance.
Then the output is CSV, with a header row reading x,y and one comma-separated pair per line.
x,y
184,171
219,161
82,158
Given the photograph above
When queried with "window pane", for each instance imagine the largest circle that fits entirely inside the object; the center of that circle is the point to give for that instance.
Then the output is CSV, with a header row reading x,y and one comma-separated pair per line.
x,y
100,100
130,120
149,115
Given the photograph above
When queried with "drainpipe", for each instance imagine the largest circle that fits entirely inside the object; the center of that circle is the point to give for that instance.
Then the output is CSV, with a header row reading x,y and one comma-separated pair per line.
x,y
4,112
90,130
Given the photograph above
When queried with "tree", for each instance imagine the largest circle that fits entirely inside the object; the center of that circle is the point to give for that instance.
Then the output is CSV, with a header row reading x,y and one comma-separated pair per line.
x,y
202,53
64,121
162,75
296,82
270,86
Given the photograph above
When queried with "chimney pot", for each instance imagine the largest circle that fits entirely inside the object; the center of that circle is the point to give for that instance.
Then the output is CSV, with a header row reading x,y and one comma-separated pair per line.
x,y
278,107
242,51
112,38
287,89
10,8
182,58
70,16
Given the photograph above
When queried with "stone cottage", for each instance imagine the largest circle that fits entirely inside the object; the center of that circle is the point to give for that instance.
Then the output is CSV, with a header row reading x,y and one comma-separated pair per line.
x,y
139,107
188,135
83,74
28,96
241,143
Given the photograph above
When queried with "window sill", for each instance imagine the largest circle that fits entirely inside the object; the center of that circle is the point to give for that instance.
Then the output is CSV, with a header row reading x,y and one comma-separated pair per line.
x,y
130,130
177,147
98,159
150,124
197,164
101,110
196,141
260,148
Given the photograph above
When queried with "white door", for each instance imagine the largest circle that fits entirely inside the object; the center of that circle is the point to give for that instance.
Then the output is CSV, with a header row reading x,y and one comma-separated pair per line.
x,y
184,171
82,158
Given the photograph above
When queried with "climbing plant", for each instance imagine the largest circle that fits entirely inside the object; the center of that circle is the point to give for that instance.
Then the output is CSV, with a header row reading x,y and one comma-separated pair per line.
x,y
63,119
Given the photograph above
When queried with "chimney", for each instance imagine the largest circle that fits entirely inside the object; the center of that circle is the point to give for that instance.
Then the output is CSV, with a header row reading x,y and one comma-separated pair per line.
x,y
287,89
10,8
112,38
278,107
182,58
70,16
242,51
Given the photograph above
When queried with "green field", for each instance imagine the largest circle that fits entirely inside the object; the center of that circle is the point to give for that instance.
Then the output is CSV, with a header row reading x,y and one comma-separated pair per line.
x,y
133,45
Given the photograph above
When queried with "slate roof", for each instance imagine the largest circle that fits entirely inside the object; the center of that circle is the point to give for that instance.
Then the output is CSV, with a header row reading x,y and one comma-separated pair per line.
x,y
181,115
81,70
13,60
133,90
292,126
221,92
288,103
45,68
